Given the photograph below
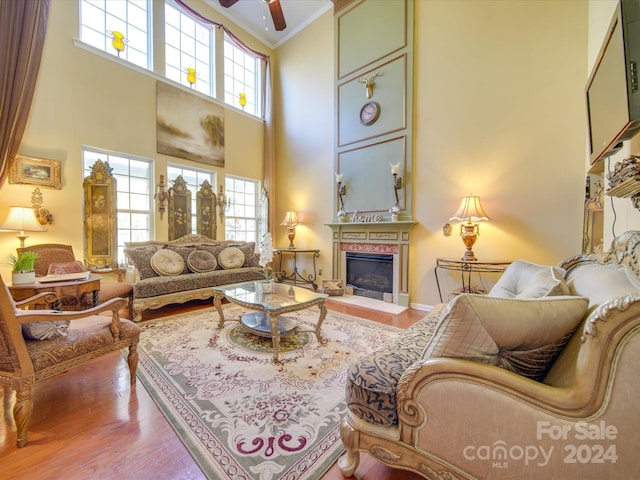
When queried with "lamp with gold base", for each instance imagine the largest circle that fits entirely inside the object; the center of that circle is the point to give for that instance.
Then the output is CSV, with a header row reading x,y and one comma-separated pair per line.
x,y
470,210
290,221
22,219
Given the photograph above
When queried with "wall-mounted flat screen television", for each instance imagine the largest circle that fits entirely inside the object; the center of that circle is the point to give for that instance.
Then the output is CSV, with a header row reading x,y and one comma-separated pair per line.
x,y
613,98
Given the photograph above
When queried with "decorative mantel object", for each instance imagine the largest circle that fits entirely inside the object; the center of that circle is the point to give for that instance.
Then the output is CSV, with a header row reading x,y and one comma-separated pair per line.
x,y
394,211
470,210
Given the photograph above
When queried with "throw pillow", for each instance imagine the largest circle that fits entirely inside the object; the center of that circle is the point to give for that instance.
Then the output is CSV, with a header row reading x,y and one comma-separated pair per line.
x,y
184,252
521,335
523,279
140,258
66,267
231,258
200,261
251,257
45,330
214,249
167,262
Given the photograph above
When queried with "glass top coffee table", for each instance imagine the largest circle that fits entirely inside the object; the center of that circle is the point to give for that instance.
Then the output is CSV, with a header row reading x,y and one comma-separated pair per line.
x,y
270,302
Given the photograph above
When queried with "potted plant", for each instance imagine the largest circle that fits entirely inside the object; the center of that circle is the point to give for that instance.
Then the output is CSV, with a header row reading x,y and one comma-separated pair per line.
x,y
22,268
342,216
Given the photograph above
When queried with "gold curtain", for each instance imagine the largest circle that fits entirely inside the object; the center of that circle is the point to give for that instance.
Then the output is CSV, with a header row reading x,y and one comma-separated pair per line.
x,y
22,30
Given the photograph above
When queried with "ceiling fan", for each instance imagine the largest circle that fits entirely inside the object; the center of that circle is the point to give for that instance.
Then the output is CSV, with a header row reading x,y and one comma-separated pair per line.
x,y
274,7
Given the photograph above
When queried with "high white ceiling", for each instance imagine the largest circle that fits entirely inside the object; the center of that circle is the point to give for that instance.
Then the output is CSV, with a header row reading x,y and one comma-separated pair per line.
x,y
254,17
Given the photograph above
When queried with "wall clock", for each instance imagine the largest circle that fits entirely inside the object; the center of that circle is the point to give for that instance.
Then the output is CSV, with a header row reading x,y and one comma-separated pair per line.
x,y
369,113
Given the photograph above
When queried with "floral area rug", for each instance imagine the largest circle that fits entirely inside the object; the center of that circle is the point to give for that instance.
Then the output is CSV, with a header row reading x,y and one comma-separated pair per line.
x,y
240,415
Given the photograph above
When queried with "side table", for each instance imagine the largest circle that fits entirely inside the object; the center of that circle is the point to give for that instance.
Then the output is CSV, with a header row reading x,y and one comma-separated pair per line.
x,y
466,268
295,277
70,288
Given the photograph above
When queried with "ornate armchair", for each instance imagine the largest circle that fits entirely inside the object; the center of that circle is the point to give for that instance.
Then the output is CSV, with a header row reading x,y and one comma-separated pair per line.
x,y
70,339
49,253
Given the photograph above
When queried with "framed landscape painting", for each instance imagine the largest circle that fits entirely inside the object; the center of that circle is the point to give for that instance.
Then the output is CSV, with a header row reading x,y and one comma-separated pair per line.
x,y
35,171
189,126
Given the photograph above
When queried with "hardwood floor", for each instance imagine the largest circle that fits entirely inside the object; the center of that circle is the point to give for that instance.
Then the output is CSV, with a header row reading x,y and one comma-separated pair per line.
x,y
88,423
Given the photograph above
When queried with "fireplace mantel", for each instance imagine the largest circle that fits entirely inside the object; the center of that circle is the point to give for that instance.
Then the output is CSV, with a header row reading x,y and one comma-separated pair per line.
x,y
375,237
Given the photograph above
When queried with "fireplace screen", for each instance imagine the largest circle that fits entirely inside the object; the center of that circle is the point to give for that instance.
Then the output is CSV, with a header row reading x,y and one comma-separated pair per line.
x,y
370,275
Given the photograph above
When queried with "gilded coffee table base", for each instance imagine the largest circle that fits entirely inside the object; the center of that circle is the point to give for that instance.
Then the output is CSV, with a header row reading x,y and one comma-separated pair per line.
x,y
272,323
259,324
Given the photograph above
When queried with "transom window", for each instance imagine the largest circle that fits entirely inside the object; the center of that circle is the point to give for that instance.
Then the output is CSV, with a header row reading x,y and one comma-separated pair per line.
x,y
241,219
134,200
118,27
123,28
194,178
188,51
241,77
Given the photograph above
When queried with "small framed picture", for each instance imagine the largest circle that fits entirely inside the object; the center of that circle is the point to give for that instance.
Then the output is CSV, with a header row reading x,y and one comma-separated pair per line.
x,y
35,171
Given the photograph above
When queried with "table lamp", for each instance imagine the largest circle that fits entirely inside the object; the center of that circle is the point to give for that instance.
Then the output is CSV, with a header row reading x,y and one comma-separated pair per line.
x,y
22,219
470,210
290,221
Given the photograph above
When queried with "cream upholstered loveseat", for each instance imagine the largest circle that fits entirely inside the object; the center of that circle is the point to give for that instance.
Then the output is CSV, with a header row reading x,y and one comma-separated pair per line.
x,y
186,269
415,406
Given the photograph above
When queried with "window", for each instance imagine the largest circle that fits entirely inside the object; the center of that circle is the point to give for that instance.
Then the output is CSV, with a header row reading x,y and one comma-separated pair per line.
x,y
241,75
104,21
134,197
188,51
189,48
194,178
241,220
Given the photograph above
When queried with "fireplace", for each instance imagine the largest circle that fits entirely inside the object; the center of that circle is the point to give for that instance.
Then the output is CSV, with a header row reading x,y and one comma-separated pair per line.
x,y
370,275
382,250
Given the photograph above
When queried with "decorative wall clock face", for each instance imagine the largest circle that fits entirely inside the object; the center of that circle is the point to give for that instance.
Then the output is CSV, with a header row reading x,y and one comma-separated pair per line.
x,y
369,113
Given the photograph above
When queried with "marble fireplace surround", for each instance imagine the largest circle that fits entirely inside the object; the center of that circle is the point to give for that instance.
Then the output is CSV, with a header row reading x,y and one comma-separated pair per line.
x,y
381,238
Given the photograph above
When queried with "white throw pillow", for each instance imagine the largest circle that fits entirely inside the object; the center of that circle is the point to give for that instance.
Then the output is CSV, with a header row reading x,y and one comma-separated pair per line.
x,y
521,335
167,262
230,258
45,330
524,279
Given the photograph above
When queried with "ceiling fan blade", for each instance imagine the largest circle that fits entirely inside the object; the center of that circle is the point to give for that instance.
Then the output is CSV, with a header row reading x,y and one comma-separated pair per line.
x,y
276,14
227,3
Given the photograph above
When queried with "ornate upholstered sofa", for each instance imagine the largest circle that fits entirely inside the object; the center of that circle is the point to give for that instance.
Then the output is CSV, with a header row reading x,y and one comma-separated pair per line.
x,y
186,269
552,411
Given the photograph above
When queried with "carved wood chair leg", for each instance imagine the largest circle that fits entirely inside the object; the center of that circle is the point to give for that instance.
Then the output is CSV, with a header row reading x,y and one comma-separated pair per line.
x,y
137,313
132,360
22,415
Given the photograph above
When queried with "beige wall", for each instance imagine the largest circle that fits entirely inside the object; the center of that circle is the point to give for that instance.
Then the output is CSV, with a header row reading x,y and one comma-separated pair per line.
x,y
304,121
83,98
499,112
